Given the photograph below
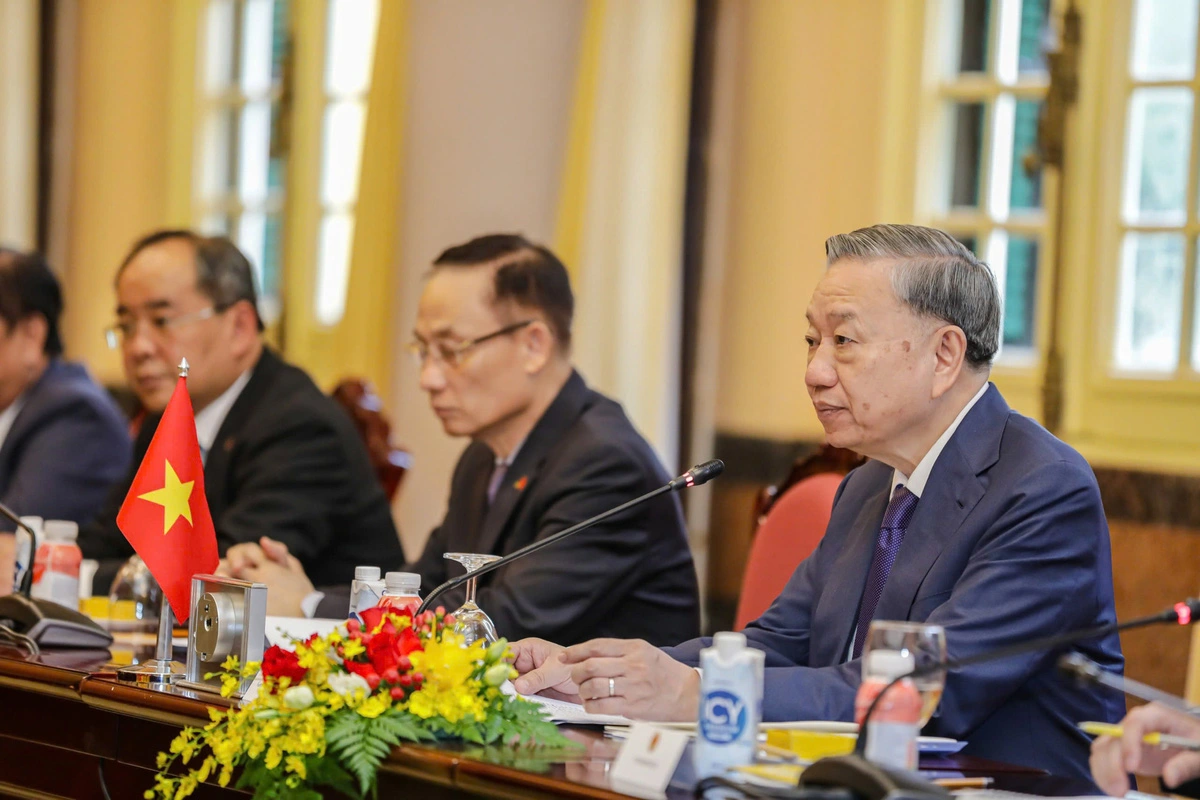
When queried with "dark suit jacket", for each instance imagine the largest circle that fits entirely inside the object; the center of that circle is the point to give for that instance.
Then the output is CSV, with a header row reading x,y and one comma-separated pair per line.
x,y
68,444
286,463
631,576
1007,543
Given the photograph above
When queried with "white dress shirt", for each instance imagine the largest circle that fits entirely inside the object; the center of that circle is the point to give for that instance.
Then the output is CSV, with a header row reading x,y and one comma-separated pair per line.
x,y
210,418
9,415
920,476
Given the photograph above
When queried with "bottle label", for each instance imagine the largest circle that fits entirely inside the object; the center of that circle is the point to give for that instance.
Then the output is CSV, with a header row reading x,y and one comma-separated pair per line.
x,y
723,717
892,744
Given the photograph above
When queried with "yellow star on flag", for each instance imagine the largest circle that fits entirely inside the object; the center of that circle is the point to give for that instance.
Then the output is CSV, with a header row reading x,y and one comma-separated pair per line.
x,y
173,497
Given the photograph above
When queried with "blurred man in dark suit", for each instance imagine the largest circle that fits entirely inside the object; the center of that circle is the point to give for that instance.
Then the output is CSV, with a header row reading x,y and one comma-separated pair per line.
x,y
493,339
63,441
280,457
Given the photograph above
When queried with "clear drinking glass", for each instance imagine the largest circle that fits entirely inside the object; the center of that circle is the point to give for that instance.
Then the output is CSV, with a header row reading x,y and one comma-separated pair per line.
x,y
927,646
470,620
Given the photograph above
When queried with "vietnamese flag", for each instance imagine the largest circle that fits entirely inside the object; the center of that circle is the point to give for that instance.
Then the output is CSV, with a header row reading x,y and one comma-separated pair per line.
x,y
165,515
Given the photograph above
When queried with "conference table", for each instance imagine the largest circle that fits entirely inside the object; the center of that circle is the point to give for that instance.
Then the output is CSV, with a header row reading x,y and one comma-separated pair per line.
x,y
69,729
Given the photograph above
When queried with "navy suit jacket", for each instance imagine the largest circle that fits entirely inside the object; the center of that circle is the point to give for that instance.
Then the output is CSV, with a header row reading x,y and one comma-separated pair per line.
x,y
1007,543
68,444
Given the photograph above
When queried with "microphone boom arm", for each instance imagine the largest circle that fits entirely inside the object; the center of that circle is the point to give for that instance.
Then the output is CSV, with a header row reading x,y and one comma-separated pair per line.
x,y
696,476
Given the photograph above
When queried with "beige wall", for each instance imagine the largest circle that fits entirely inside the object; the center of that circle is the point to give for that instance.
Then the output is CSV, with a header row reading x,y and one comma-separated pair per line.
x,y
486,124
808,142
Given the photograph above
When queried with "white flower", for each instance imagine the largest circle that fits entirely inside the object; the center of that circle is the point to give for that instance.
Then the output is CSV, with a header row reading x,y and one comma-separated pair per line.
x,y
346,683
298,698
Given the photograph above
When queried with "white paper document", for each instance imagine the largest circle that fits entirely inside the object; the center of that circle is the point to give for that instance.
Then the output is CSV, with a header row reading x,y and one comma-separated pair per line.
x,y
570,713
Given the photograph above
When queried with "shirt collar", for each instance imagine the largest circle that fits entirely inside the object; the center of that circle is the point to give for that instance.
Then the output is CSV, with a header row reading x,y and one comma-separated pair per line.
x,y
210,418
512,455
915,483
9,415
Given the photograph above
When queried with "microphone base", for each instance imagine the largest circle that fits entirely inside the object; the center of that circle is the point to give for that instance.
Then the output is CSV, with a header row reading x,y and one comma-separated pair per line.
x,y
153,674
870,781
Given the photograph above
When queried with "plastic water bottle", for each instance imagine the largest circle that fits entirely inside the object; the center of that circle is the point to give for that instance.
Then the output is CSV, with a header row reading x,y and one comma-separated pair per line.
x,y
731,689
895,724
401,591
24,553
365,589
56,564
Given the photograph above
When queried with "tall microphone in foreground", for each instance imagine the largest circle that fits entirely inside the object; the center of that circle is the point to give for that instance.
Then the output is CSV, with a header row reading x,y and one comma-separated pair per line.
x,y
696,476
855,771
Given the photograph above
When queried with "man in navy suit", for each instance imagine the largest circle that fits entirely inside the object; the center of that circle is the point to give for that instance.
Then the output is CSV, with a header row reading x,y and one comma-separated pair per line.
x,y
968,515
63,441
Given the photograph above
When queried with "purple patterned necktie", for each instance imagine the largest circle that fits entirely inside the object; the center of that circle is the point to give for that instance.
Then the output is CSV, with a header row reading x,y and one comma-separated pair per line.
x,y
891,536
494,484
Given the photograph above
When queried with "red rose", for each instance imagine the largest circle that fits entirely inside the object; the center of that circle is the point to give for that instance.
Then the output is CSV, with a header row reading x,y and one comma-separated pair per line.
x,y
382,650
280,663
408,641
370,617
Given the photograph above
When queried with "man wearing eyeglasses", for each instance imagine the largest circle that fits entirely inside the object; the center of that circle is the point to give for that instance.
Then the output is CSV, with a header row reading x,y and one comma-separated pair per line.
x,y
280,457
493,339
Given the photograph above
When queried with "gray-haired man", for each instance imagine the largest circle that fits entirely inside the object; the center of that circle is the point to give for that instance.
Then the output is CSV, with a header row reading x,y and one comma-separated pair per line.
x,y
280,458
969,515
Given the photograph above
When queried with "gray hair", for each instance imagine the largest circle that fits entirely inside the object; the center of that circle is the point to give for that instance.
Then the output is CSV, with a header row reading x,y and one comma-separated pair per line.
x,y
223,273
935,276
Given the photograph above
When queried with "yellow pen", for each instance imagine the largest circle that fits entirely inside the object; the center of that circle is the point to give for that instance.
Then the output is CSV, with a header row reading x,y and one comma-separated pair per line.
x,y
1163,740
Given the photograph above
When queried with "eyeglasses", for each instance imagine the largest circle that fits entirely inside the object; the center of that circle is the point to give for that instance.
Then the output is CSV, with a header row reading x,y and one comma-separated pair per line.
x,y
160,326
451,355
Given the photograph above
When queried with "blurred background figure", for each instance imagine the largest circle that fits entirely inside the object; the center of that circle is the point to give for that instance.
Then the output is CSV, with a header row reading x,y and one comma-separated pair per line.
x,y
63,440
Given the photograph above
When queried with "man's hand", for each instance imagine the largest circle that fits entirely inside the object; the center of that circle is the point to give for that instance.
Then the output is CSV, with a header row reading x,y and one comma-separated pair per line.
x,y
634,678
269,562
542,670
1113,759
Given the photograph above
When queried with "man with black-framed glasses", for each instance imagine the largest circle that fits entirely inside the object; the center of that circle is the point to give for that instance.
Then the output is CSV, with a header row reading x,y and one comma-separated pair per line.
x,y
493,343
280,457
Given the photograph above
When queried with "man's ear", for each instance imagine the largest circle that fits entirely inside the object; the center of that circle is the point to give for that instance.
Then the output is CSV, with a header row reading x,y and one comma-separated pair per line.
x,y
950,356
245,322
35,329
537,343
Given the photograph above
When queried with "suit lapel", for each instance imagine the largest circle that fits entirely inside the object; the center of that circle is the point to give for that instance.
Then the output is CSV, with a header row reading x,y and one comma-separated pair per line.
x,y
562,413
836,609
956,484
25,417
216,463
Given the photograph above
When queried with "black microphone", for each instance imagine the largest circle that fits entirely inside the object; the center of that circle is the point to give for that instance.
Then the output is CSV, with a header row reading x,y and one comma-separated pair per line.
x,y
26,577
1182,613
854,770
1086,671
697,475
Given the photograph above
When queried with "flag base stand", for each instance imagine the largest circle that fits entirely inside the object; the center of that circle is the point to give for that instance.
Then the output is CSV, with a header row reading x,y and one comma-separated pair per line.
x,y
160,671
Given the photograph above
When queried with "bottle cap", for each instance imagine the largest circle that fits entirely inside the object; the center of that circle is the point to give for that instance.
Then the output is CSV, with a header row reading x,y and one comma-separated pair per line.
x,y
366,573
729,644
402,581
61,530
33,522
888,664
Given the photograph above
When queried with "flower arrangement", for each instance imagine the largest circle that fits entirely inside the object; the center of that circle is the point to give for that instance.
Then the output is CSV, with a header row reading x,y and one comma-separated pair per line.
x,y
331,710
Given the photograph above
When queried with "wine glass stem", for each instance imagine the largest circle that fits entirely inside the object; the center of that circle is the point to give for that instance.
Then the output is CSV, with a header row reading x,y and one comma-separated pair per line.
x,y
470,592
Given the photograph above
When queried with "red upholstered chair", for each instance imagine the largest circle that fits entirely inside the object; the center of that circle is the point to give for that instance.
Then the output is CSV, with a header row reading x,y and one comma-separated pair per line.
x,y
358,398
786,536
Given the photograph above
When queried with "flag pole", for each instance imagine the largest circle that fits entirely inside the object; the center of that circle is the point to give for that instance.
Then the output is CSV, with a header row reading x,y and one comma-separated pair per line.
x,y
161,671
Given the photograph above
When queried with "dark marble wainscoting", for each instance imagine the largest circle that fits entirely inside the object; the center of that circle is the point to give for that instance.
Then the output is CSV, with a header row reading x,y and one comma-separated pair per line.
x,y
1154,521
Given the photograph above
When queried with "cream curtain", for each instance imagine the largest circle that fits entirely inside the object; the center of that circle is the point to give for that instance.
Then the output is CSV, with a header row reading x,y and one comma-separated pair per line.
x,y
621,208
